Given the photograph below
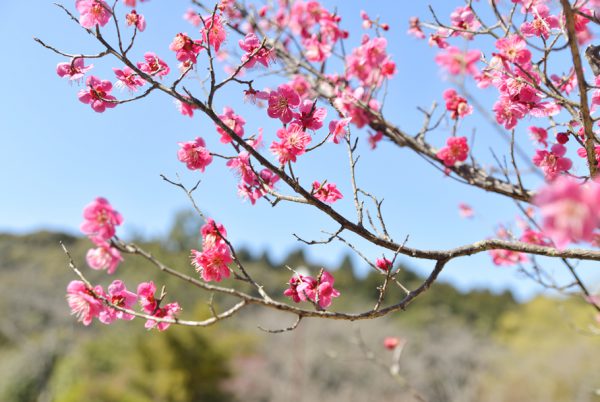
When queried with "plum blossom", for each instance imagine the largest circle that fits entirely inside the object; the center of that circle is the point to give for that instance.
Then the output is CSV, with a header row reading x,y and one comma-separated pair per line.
x,y
310,117
128,78
74,70
465,210
185,108
104,257
192,17
391,342
303,287
370,63
542,23
213,31
383,264
131,3
100,220
553,162
326,192
136,20
93,12
570,211
456,61
539,135
456,150
154,66
464,19
294,141
233,121
338,129
254,52
145,293
83,302
281,103
194,154
414,28
150,305
185,48
119,296
169,311
97,94
374,138
212,262
514,49
456,105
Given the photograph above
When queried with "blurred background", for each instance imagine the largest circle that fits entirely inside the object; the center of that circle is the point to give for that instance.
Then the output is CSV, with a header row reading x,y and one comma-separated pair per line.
x,y
483,333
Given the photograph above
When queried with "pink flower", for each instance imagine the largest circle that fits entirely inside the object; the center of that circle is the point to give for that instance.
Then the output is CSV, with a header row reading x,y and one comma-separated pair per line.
x,y
542,23
565,83
306,287
552,163
465,210
281,103
507,257
121,297
508,112
391,342
212,262
75,69
374,138
233,121
338,129
414,28
456,105
185,108
185,48
128,78
192,17
93,12
570,211
539,135
97,94
154,65
456,150
137,20
310,117
145,293
463,18
194,154
455,61
169,311
213,31
293,143
250,44
104,257
316,50
326,192
514,49
370,63
100,220
82,301
212,233
534,237
383,264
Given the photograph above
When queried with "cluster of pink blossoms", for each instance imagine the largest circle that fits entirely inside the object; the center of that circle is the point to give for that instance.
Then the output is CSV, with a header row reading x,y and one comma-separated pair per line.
x,y
212,261
456,104
370,63
304,287
252,185
552,162
100,222
88,304
456,150
151,306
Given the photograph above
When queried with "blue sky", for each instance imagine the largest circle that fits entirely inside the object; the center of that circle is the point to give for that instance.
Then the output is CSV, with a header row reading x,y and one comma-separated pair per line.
x,y
57,154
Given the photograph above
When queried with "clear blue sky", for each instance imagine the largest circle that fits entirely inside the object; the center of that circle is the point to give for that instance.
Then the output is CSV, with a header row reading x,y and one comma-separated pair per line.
x,y
56,154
